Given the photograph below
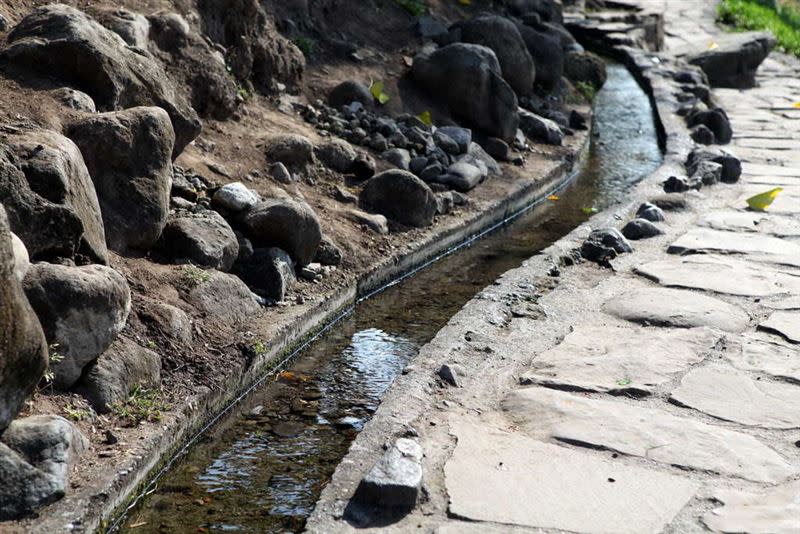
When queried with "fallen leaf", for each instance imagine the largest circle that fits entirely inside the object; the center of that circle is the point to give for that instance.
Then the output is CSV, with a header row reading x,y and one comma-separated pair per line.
x,y
624,382
796,105
425,117
377,92
554,198
713,46
762,201
589,211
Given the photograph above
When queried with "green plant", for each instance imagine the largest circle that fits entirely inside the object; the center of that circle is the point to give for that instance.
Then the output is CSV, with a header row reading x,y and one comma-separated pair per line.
x,y
587,90
76,413
259,347
196,275
243,92
781,18
141,405
55,357
416,8
306,46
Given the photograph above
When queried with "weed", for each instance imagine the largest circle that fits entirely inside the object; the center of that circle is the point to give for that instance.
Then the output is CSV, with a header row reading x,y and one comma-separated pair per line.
x,y
259,347
196,275
243,93
781,18
55,357
587,90
416,8
141,405
306,46
76,413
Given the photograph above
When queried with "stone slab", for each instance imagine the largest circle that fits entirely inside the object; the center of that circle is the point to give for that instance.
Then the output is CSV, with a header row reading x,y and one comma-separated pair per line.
x,y
720,275
784,323
777,510
770,170
762,354
619,360
790,303
769,144
645,432
511,479
704,240
674,307
750,221
731,395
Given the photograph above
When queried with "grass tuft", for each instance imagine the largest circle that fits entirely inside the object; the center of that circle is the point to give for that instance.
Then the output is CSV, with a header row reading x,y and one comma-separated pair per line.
x,y
781,18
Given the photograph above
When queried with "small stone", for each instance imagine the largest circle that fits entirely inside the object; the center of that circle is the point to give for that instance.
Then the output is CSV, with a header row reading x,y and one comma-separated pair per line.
x,y
363,167
605,244
328,253
701,134
461,176
374,221
110,438
462,136
280,173
288,429
641,229
399,157
671,202
449,375
432,172
650,212
417,165
343,195
676,184
708,172
446,143
576,120
497,148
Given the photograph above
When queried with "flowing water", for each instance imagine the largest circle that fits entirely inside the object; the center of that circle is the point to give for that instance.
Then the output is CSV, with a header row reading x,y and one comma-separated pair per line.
x,y
262,468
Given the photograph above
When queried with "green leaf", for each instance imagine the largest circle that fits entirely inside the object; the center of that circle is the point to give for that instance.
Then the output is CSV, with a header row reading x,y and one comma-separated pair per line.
x,y
377,92
426,117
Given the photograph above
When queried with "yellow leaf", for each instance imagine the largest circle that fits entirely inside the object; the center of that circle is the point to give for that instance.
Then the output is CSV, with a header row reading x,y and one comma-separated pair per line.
x,y
713,46
377,92
553,198
796,105
425,117
762,201
589,211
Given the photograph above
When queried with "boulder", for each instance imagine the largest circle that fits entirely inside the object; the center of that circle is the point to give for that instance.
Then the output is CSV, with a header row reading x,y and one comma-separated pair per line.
x,y
224,297
81,309
122,367
288,224
348,92
294,151
715,120
497,148
35,459
203,238
708,172
328,252
605,244
733,63
640,229
544,45
468,78
540,129
235,197
363,167
731,166
650,212
128,157
501,36
337,154
62,43
134,28
23,349
74,99
400,196
461,176
585,67
167,319
52,205
269,272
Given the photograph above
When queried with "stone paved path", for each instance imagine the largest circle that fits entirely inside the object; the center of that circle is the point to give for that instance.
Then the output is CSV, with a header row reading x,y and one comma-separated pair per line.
x,y
664,396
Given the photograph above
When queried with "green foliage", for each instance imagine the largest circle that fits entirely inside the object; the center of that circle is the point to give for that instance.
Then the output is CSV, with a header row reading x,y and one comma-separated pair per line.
x,y
76,413
196,275
783,22
306,46
587,90
416,8
55,357
243,92
141,405
259,347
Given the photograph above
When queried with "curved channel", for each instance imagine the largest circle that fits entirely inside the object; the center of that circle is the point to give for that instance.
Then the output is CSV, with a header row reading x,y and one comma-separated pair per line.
x,y
263,467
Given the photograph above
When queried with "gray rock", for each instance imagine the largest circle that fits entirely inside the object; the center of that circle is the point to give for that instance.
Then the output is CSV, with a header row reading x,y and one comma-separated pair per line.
x,y
52,206
23,349
497,148
74,99
444,203
462,136
328,252
731,166
641,229
363,167
399,157
22,261
134,28
133,187
681,184
348,92
121,368
702,135
235,197
25,488
501,36
294,151
168,320
605,244
116,76
343,195
650,212
447,144
733,63
430,27
544,45
461,176
312,271
281,174
715,120
81,309
269,272
401,196
288,224
450,375
417,165
477,156
540,129
337,155
224,297
203,238
585,67
468,79
375,222
708,172
432,172
392,486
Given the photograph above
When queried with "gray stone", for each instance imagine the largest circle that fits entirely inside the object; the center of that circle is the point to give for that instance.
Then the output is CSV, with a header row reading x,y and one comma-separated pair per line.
x,y
650,212
539,129
337,155
168,320
224,297
708,172
477,156
116,76
374,221
133,187
400,196
328,252
585,67
715,120
345,196
203,238
735,59
122,367
670,202
646,433
392,486
269,272
235,197
673,307
348,92
731,166
761,353
399,157
288,224
432,172
784,323
462,136
448,145
681,184
544,45
730,395
619,360
25,488
22,261
461,176
430,27
704,240
498,149
702,135
81,309
134,28
294,151
721,275
605,244
450,375
774,510
641,229
492,475
74,99
417,165
281,174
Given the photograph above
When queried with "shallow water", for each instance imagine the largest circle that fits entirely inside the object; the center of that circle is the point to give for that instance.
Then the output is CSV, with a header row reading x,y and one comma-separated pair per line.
x,y
262,469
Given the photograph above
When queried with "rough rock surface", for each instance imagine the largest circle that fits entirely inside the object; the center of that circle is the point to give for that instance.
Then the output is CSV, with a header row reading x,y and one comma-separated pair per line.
x,y
641,229
61,42
235,197
226,297
294,151
134,185
733,63
269,271
400,196
540,129
774,510
605,244
288,224
203,238
81,309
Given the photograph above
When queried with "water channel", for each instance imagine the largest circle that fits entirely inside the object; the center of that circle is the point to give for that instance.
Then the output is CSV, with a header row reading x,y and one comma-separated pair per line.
x,y
263,467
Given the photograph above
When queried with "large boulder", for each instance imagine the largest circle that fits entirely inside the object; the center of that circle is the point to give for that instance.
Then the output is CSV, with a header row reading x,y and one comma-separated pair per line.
x,y
81,309
540,129
287,224
716,120
23,349
128,157
735,59
203,238
585,67
502,37
35,459
269,272
350,91
468,78
400,196
52,204
60,42
544,45
123,367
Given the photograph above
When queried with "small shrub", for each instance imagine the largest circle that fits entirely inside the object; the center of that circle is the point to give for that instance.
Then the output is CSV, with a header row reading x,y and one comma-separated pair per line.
x,y
306,46
141,405
587,90
195,275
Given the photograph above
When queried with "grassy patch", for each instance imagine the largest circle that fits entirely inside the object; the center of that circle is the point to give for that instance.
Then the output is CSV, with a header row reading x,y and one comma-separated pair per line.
x,y
783,22
416,8
195,275
142,405
306,46
587,90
